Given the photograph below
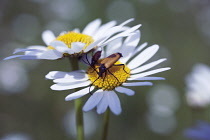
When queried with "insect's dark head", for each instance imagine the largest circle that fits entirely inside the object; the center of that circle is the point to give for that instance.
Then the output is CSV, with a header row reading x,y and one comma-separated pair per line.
x,y
120,54
102,69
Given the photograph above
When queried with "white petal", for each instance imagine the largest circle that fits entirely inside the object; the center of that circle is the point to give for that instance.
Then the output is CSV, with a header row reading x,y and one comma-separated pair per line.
x,y
48,36
142,46
78,94
129,45
143,57
147,78
24,57
92,27
126,91
55,74
72,85
60,47
93,100
94,44
100,32
11,57
148,73
147,66
113,47
77,30
71,79
60,74
114,102
103,104
138,84
77,46
37,47
122,34
50,55
23,50
126,22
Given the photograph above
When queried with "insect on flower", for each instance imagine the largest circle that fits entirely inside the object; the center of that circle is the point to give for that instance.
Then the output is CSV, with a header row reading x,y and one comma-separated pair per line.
x,y
102,67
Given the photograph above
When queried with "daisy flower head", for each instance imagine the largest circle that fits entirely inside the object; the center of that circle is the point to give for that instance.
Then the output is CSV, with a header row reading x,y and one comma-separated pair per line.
x,y
111,75
75,43
198,89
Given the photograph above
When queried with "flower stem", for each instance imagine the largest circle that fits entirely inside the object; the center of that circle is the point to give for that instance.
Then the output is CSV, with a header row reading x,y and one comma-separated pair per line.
x,y
105,124
78,104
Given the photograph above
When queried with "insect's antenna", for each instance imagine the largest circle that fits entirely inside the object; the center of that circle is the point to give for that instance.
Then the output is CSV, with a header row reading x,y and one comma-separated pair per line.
x,y
84,61
94,69
87,59
104,78
92,84
123,67
113,75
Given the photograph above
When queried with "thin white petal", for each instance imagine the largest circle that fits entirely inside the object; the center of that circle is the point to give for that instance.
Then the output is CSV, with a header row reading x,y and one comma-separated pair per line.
x,y
92,27
37,47
114,103
122,34
94,44
24,57
138,84
129,45
147,78
71,79
77,30
48,36
56,74
60,74
70,86
100,32
93,100
78,94
147,66
126,22
113,47
142,46
77,46
124,90
55,44
23,50
143,57
148,73
11,57
103,104
50,55
61,47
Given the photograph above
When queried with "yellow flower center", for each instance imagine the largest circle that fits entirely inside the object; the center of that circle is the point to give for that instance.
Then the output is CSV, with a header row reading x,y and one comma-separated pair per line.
x,y
72,37
109,80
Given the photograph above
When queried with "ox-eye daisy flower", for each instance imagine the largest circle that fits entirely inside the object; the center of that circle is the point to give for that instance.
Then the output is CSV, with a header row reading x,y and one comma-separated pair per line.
x,y
198,89
131,72
75,43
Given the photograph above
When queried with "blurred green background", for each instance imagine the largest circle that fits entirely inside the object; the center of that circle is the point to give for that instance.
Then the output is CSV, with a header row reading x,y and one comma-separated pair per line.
x,y
30,110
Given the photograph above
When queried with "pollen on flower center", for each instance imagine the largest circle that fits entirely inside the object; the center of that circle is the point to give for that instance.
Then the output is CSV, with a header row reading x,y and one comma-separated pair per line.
x,y
109,80
72,37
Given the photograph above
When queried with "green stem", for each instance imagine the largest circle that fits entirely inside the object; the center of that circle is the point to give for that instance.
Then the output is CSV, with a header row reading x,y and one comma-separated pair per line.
x,y
78,104
105,124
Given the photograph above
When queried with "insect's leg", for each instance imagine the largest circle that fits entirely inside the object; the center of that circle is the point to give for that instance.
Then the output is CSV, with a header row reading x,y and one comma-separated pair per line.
x,y
123,67
92,84
113,75
104,78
